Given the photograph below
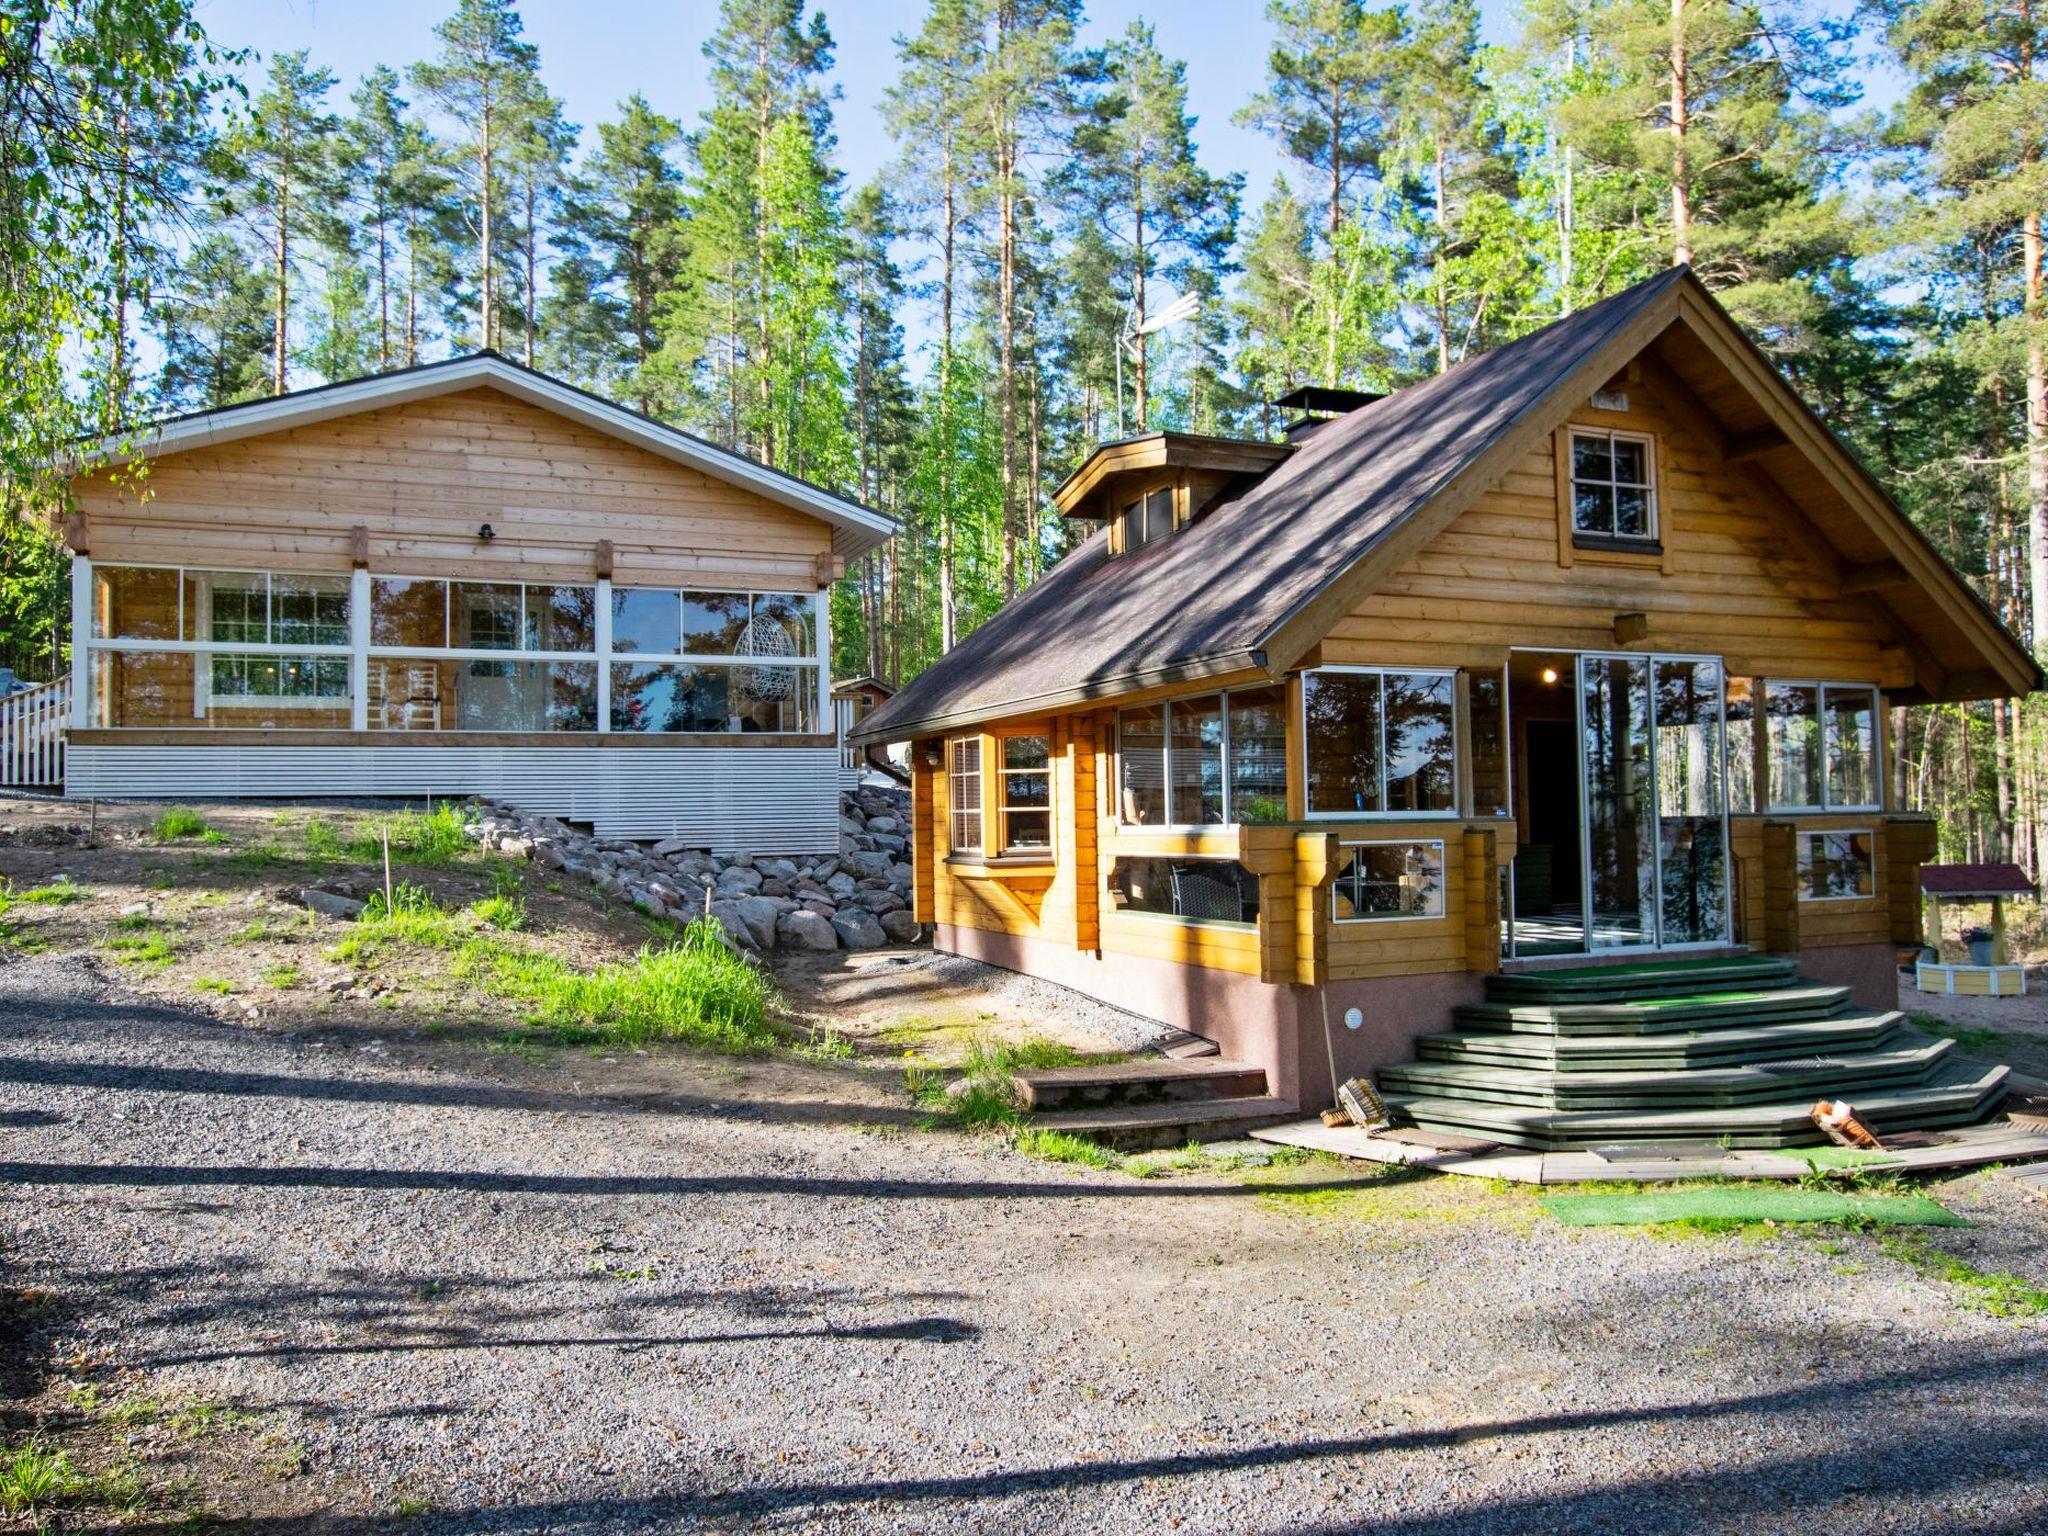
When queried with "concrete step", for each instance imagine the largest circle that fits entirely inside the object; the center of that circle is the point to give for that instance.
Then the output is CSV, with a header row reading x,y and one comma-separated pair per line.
x,y
1959,1093
1179,1045
1850,1075
1150,1081
1645,979
1137,1127
1655,1015
1666,1052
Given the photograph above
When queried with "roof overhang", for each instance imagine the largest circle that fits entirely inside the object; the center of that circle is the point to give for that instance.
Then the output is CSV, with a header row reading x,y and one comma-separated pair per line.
x,y
856,529
1077,495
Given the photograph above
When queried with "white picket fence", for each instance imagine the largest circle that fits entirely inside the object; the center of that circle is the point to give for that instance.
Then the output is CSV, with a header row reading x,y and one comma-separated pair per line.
x,y
32,735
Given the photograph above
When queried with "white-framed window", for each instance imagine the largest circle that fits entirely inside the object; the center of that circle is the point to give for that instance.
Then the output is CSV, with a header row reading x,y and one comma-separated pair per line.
x,y
963,784
1379,742
1389,881
1614,484
1822,746
1218,759
1837,866
454,655
1147,519
1027,793
713,661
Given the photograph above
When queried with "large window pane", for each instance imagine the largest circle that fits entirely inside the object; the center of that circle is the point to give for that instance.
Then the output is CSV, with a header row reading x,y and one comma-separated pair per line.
x,y
309,610
713,623
561,618
409,611
134,603
1141,765
1382,880
1027,792
1421,773
238,678
1691,851
1741,746
1793,712
1851,743
456,694
1490,787
219,691
1258,754
1195,890
646,619
671,696
1343,718
768,698
784,624
1195,761
485,616
1621,806
144,688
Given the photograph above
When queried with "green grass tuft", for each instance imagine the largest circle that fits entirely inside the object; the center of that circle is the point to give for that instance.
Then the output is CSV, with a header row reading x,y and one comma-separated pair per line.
x,y
58,893
216,984
431,837
33,1475
152,948
1993,1291
180,823
505,913
1065,1147
281,975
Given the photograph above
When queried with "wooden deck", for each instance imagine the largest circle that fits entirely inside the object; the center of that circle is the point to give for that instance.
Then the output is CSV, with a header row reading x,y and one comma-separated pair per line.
x,y
2000,1141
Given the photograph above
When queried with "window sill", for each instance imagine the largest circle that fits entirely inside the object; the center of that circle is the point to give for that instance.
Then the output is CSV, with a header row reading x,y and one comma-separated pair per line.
x,y
974,866
1603,544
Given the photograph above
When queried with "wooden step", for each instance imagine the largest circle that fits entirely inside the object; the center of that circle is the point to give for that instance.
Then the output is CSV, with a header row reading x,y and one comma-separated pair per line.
x,y
1179,1045
1655,978
1852,1075
1959,1093
1141,1082
1135,1127
1664,1052
1685,1011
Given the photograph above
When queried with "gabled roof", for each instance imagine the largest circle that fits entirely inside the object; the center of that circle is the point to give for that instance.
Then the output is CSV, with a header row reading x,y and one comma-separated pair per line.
x,y
856,528
1262,576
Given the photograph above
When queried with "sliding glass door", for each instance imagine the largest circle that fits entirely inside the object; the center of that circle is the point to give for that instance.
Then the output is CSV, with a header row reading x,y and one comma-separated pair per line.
x,y
1655,842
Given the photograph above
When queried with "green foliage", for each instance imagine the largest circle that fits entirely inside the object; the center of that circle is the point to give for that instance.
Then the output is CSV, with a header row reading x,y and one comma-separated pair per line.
x,y
179,823
1062,1147
153,949
59,893
35,1475
505,913
1994,1291
422,838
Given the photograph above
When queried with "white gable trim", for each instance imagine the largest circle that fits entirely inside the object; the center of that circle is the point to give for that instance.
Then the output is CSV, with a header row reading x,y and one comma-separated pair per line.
x,y
856,529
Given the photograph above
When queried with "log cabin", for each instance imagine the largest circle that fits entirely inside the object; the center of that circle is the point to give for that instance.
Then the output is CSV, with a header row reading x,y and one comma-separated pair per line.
x,y
465,577
1578,655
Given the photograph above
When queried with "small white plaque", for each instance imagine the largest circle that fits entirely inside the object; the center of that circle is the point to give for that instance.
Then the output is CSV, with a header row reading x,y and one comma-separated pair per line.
x,y
1610,400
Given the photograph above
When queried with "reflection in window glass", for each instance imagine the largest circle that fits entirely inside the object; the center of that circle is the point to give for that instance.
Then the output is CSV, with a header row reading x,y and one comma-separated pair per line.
x,y
143,688
1382,880
1027,792
1836,866
1419,763
1141,765
1793,713
653,696
1258,754
1850,741
784,624
646,619
1195,761
1489,743
963,771
486,616
561,619
280,677
1194,890
713,623
1741,707
409,611
1611,493
309,610
134,603
1342,710
230,606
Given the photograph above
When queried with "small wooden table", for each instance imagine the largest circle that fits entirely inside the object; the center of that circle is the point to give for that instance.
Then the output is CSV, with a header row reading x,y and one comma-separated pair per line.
x,y
1971,980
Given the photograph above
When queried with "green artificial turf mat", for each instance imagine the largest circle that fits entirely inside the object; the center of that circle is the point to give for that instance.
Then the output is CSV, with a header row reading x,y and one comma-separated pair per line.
x,y
1740,1203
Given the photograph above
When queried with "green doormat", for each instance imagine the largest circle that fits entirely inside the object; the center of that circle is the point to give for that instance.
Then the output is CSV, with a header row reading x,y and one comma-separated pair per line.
x,y
1736,1203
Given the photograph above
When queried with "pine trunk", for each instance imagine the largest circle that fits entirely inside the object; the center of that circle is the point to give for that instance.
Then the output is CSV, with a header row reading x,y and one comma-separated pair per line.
x,y
1681,165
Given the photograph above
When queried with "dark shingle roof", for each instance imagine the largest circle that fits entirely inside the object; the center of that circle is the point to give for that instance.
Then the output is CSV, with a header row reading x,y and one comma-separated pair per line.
x,y
1206,600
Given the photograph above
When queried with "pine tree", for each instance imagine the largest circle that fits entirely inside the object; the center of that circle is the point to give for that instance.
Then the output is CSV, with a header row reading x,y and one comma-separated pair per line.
x,y
387,160
277,172
484,77
881,418
1138,178
538,143
216,325
803,424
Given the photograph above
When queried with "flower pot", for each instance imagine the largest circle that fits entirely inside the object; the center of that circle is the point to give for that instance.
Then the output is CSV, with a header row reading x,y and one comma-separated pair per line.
x,y
1980,951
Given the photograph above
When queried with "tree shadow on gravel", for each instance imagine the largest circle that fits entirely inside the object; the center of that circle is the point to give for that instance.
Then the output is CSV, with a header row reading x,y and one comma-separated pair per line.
x,y
1885,1462
482,1181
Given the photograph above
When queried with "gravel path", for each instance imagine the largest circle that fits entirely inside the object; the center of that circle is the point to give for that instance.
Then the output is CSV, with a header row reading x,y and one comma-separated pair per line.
x,y
548,1312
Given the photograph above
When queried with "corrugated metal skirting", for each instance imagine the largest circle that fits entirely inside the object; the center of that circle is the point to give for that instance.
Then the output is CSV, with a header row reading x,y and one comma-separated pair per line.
x,y
768,800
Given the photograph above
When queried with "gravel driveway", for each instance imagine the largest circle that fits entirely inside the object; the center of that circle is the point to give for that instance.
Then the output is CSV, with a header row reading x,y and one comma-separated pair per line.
x,y
523,1310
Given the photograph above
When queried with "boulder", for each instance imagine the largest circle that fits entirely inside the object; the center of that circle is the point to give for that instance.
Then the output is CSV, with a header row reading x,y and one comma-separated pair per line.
x,y
759,914
773,887
728,916
900,926
670,845
879,902
822,908
328,904
882,826
858,929
806,930
739,881
841,884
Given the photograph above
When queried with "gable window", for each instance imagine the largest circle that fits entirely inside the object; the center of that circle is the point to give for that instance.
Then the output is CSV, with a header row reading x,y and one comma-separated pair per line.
x,y
1822,746
1027,793
963,774
1379,742
1216,760
1614,492
1148,518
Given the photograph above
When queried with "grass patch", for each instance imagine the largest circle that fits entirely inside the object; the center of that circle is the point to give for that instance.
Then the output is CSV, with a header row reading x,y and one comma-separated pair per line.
x,y
57,893
281,976
1065,1147
1966,1037
438,836
216,984
412,916
33,1475
1731,1206
1994,1291
180,824
696,991
826,1045
984,1096
152,948
507,914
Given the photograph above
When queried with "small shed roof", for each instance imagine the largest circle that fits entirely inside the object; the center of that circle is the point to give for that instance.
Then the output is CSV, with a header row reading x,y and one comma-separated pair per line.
x,y
1978,881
